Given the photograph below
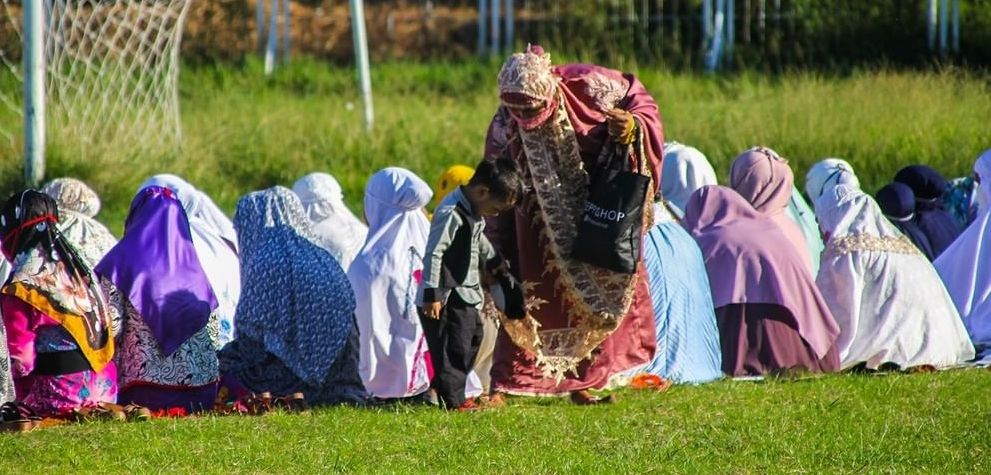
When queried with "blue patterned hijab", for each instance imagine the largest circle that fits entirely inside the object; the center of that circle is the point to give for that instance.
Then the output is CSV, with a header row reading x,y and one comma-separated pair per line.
x,y
295,298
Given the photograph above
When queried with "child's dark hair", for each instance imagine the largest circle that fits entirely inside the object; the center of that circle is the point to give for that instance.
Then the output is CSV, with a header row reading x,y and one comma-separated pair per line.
x,y
501,176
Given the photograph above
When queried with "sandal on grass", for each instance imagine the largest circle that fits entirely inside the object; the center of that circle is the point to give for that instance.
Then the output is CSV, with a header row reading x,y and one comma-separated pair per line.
x,y
13,419
583,398
650,381
294,403
100,412
136,413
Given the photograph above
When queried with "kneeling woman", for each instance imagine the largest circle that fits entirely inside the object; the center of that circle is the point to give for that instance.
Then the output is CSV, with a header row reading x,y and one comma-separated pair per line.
x,y
770,315
59,328
168,339
296,331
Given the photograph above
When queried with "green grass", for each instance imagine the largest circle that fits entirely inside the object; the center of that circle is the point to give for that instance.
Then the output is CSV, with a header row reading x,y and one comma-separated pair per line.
x,y
926,423
244,131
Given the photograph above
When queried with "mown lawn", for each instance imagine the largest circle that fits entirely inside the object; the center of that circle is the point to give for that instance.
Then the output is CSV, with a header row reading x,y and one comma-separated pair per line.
x,y
923,423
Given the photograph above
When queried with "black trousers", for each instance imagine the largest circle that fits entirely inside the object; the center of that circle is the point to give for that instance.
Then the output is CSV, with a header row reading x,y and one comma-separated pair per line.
x,y
453,341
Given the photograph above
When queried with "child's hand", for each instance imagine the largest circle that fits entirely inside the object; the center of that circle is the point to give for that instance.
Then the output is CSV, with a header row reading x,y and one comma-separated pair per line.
x,y
432,310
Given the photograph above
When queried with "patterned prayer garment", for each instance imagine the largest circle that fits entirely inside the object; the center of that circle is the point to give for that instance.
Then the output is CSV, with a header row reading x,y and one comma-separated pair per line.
x,y
591,324
58,325
165,306
296,329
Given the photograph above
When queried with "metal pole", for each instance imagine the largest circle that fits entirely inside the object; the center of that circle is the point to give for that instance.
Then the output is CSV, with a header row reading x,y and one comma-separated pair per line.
x,y
730,27
494,27
510,26
483,25
931,14
260,24
716,50
286,31
943,17
361,59
273,38
956,26
34,91
706,24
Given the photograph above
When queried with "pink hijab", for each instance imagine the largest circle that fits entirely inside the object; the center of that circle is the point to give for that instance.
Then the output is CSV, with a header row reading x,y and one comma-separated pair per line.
x,y
748,261
764,178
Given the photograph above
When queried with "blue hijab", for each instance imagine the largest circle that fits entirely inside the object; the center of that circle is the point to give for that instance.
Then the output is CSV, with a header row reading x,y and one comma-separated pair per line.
x,y
295,297
688,348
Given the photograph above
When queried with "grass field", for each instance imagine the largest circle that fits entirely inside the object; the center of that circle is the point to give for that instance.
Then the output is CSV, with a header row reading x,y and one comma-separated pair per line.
x,y
244,132
926,423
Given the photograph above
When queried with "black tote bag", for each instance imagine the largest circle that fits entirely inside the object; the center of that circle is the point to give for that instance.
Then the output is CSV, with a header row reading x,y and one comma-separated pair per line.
x,y
610,232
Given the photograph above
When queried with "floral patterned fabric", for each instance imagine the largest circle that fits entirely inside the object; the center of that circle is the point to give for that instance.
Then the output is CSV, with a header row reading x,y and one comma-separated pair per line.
x,y
141,361
296,329
960,200
31,333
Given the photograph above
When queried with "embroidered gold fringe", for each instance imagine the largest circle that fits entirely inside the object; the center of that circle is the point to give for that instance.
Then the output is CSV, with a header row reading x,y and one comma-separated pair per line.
x,y
868,243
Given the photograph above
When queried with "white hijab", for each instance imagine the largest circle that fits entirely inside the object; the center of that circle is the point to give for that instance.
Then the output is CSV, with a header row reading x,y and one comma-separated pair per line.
x,y
965,266
827,174
78,204
685,170
885,295
385,275
336,229
215,242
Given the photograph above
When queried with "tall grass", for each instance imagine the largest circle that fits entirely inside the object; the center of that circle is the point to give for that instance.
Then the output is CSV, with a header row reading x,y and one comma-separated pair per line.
x,y
243,131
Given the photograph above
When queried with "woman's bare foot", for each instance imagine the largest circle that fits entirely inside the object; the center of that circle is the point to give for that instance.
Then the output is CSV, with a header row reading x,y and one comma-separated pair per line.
x,y
494,400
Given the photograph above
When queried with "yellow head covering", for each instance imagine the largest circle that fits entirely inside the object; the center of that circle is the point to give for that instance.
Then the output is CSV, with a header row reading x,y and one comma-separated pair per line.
x,y
452,178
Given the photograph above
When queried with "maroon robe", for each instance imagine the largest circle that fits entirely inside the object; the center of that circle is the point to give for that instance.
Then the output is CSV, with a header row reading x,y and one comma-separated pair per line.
x,y
633,343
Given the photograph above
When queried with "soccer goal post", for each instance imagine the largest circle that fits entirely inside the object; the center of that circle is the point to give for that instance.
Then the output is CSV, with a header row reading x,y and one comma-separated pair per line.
x,y
99,76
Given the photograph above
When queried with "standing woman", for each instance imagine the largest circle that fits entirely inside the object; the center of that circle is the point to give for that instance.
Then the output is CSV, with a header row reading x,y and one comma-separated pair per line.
x,y
770,314
58,324
215,242
169,330
966,265
764,178
385,276
78,206
333,225
560,123
885,295
296,330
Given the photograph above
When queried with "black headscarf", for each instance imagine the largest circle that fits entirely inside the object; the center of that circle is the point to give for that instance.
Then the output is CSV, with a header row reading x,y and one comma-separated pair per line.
x,y
897,202
929,186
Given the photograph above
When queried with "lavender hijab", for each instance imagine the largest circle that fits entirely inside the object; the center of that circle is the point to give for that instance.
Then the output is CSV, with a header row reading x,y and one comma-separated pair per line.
x,y
750,260
764,179
156,266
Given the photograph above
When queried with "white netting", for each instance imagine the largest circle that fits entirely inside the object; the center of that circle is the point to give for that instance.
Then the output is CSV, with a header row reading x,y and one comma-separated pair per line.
x,y
112,71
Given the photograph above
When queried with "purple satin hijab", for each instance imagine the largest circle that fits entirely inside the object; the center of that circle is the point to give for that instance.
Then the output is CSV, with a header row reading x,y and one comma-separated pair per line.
x,y
156,267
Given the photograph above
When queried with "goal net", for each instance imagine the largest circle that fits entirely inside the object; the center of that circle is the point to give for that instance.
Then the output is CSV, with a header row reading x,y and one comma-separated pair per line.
x,y
112,70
